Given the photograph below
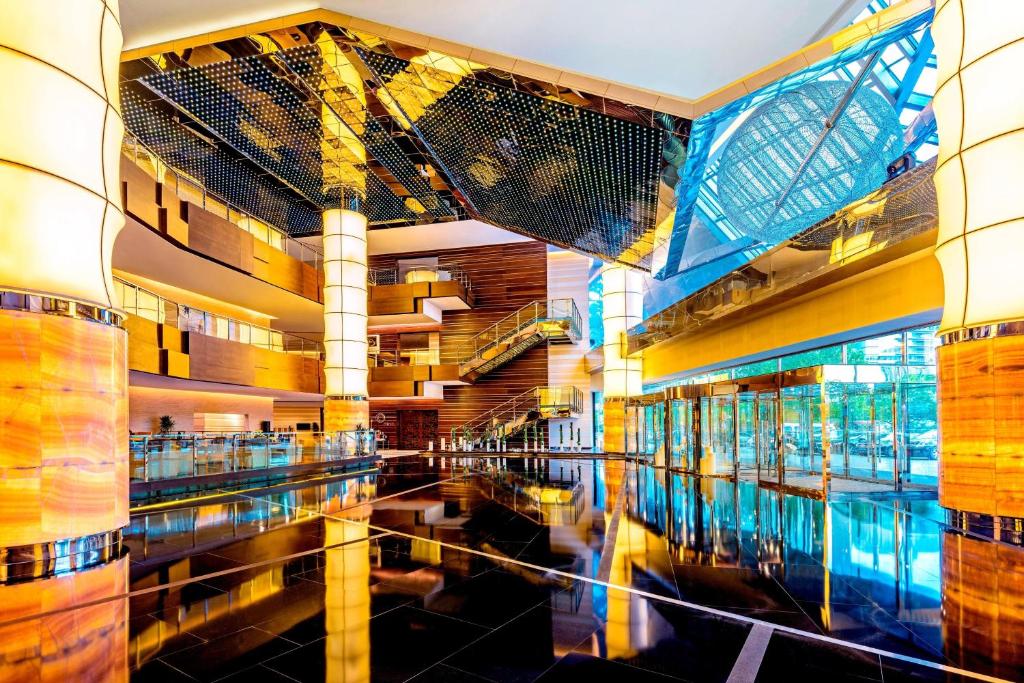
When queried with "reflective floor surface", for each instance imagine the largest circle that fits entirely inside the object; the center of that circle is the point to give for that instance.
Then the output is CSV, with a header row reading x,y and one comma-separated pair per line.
x,y
524,570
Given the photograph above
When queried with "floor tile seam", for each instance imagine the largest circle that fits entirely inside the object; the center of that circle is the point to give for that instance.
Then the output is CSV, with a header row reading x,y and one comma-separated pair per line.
x,y
800,607
539,603
914,637
276,635
571,650
191,580
490,631
173,668
461,670
467,622
700,608
262,665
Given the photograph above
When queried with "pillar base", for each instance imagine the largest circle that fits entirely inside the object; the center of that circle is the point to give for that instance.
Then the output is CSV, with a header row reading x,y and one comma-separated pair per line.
x,y
63,426
346,414
980,395
615,425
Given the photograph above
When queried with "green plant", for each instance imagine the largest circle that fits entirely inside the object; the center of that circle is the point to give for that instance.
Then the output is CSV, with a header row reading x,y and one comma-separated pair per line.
x,y
166,424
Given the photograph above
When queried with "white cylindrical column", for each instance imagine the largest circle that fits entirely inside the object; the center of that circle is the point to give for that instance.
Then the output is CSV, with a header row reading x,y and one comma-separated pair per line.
x,y
63,349
979,109
622,302
345,302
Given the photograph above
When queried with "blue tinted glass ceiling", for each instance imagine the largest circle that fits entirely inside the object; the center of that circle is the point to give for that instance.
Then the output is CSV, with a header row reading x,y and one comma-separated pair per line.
x,y
704,243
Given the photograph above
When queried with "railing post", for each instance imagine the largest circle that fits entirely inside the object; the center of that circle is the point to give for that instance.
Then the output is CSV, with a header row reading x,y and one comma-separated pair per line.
x,y
195,457
145,458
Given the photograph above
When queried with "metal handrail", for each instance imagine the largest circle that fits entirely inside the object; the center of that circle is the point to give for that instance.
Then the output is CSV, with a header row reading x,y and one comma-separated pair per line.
x,y
389,276
537,398
171,456
166,312
533,312
191,190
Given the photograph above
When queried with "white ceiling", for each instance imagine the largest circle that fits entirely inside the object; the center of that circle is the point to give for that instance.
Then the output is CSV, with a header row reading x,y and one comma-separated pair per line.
x,y
686,48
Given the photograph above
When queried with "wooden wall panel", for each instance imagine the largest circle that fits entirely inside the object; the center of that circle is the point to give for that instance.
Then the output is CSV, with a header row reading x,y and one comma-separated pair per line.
x,y
504,278
147,404
63,428
156,206
288,414
143,344
219,360
219,239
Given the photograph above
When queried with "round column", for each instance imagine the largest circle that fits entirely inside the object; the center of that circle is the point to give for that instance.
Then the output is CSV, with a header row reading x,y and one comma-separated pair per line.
x,y
622,302
63,354
345,297
979,108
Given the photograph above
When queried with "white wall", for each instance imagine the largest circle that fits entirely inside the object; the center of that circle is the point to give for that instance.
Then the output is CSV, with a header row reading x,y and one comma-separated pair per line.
x,y
568,273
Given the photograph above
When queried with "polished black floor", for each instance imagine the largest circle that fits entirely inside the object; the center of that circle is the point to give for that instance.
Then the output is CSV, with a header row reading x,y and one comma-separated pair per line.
x,y
549,570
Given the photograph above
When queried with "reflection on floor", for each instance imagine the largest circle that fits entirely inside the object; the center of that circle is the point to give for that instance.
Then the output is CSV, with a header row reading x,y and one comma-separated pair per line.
x,y
526,569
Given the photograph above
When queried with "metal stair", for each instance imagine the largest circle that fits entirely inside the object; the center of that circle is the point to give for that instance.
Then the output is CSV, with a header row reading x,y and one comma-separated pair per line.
x,y
512,417
555,320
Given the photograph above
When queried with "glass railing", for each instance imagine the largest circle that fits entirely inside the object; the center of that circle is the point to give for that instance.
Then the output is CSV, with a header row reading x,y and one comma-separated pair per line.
x,y
560,313
408,357
192,191
421,273
145,304
176,456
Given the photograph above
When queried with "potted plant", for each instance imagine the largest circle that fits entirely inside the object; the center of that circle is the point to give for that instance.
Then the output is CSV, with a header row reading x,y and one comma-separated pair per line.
x,y
166,424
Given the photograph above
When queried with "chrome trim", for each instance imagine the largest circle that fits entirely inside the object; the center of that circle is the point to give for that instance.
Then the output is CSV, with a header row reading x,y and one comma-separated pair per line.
x,y
40,560
50,304
346,397
1008,329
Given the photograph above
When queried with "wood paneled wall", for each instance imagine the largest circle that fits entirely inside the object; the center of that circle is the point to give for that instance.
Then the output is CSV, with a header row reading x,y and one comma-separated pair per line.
x,y
161,349
504,278
156,206
287,414
147,404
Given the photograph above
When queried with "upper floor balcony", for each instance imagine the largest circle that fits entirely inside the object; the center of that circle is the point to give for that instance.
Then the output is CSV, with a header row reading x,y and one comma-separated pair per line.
x,y
174,340
417,294
184,212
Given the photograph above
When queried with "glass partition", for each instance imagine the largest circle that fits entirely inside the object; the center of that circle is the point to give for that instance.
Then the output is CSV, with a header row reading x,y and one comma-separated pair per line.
x,y
825,427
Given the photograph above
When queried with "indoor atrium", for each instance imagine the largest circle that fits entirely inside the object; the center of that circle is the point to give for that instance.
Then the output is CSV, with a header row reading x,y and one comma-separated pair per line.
x,y
554,340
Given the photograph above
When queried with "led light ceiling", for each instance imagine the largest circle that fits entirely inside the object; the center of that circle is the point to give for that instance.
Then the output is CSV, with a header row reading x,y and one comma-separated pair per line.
x,y
562,174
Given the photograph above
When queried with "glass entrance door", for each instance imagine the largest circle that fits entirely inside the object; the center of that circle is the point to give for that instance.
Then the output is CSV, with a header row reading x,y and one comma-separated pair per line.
x,y
746,414
682,435
766,443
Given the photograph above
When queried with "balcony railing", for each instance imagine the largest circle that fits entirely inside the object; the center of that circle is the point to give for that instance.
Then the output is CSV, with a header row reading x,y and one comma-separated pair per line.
x,y
408,357
420,273
545,401
192,191
177,456
145,304
534,313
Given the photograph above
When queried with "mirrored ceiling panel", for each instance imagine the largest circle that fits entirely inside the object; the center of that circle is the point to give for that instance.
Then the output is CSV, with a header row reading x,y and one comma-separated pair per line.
x,y
563,174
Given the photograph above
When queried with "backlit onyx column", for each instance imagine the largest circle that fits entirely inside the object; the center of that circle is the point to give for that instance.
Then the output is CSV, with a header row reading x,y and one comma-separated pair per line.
x,y
63,359
622,305
345,369
979,106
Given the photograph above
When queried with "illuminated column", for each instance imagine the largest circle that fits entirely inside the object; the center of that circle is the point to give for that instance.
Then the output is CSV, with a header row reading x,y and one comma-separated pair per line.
x,y
345,369
622,305
63,357
979,107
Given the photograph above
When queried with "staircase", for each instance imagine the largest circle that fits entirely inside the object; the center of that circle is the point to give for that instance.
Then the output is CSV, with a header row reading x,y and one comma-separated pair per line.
x,y
512,417
555,320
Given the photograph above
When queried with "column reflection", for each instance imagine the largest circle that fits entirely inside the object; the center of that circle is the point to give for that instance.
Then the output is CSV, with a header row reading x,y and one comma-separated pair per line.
x,y
83,644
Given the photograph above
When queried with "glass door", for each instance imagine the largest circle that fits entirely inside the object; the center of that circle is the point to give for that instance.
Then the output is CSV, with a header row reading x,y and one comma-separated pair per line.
x,y
746,415
682,434
766,443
